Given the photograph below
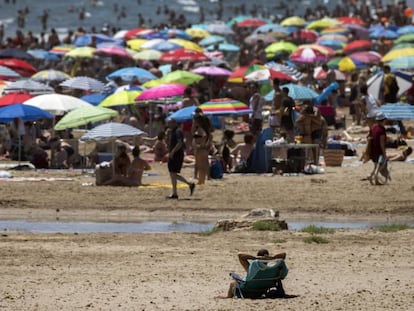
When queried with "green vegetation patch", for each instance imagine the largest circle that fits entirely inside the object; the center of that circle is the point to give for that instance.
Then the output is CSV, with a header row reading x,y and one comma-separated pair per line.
x,y
266,225
312,229
315,239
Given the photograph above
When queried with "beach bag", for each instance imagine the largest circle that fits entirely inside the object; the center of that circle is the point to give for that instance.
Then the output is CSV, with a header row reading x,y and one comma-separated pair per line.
x,y
216,170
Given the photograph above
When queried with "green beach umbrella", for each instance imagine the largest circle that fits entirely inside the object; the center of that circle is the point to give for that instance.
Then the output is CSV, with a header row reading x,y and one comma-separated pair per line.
x,y
84,115
120,98
181,77
280,47
405,38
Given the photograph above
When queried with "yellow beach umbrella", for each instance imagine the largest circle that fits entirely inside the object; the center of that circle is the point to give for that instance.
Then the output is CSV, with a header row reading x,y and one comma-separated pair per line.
x,y
81,52
152,83
397,53
293,21
136,44
120,98
188,45
197,32
147,55
322,23
346,64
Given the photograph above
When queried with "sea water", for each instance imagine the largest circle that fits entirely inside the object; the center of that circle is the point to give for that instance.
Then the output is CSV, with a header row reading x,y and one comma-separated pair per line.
x,y
101,12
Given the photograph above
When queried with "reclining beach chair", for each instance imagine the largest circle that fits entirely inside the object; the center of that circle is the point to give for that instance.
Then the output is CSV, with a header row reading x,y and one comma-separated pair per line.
x,y
263,280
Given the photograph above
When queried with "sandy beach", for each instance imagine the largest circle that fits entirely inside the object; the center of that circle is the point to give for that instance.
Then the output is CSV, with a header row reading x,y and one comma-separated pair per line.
x,y
358,269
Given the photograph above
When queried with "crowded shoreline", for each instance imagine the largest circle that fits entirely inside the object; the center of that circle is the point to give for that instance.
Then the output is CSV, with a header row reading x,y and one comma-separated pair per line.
x,y
57,177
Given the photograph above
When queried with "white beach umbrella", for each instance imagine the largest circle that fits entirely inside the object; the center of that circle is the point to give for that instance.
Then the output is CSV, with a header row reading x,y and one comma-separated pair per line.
x,y
84,83
56,104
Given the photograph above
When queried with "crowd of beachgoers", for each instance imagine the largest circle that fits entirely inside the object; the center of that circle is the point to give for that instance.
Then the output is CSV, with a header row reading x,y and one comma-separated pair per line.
x,y
312,51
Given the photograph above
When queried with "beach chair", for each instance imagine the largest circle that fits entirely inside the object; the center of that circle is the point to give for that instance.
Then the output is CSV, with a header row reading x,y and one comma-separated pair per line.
x,y
263,280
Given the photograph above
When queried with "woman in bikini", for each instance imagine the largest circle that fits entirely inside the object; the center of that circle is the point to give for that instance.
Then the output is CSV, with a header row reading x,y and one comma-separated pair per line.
x,y
201,143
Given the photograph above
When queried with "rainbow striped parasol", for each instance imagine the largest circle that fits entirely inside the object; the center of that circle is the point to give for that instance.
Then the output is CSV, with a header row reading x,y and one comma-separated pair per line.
x,y
225,106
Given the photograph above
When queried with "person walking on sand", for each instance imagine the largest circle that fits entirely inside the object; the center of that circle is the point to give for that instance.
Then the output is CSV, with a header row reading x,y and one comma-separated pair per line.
x,y
176,148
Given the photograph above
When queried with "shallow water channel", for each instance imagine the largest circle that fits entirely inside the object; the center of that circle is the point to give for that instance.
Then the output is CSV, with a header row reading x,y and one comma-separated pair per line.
x,y
16,226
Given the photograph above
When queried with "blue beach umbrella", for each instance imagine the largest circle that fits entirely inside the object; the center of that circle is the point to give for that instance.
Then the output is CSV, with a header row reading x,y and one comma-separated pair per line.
x,y
184,114
131,73
225,47
376,82
210,40
296,91
94,98
43,54
405,30
384,33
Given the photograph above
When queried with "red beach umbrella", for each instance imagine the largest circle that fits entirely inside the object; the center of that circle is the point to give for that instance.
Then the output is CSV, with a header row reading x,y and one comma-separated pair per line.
x,y
20,66
351,20
251,22
14,98
183,55
133,33
357,45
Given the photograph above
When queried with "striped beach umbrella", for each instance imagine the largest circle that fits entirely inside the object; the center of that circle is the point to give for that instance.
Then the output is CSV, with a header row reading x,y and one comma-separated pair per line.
x,y
299,92
225,106
7,73
29,86
398,111
404,62
50,75
84,83
111,131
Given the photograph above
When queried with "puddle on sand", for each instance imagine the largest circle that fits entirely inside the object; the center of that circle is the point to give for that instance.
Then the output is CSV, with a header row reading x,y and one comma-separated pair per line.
x,y
14,226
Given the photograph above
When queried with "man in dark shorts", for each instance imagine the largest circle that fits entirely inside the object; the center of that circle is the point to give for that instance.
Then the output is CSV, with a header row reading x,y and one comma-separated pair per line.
x,y
176,149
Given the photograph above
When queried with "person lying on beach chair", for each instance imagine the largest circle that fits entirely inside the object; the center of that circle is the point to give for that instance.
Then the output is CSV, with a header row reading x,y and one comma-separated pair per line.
x,y
264,277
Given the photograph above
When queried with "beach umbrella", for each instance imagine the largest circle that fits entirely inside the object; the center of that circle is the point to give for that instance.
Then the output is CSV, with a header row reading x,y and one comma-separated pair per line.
x,y
360,31
404,62
15,53
56,104
397,53
383,33
94,38
398,111
269,28
334,36
325,50
403,45
120,34
351,20
43,55
29,86
356,45
333,44
211,40
267,74
197,32
188,45
20,66
147,55
305,35
297,92
132,73
219,29
50,75
224,106
175,33
290,71
251,23
136,44
83,83
405,38
183,55
183,114
181,77
24,113
162,92
83,116
267,38
62,49
165,46
366,57
336,30
224,47
322,23
7,73
81,52
95,98
111,131
320,74
239,73
112,51
307,55
376,82
14,98
293,21
133,33
120,98
211,71
150,43
346,64
404,30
